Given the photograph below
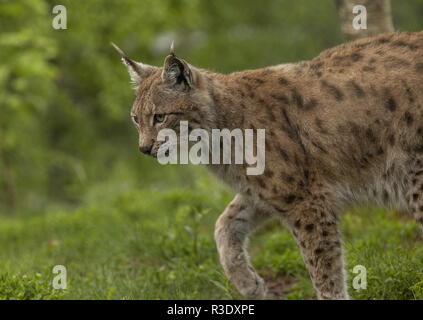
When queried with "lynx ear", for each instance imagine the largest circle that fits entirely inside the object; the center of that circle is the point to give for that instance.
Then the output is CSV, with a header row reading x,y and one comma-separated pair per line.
x,y
177,72
137,71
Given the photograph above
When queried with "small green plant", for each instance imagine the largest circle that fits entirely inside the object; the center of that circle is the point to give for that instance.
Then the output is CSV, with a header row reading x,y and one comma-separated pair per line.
x,y
27,287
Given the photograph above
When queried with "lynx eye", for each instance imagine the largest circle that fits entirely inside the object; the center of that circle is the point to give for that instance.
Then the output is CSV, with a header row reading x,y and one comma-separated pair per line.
x,y
158,118
135,119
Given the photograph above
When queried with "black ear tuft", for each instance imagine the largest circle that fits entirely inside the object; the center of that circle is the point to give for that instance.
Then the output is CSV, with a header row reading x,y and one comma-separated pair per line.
x,y
137,71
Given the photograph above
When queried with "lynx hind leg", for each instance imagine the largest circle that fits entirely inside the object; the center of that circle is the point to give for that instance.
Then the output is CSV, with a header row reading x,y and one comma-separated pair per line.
x,y
231,234
415,192
315,229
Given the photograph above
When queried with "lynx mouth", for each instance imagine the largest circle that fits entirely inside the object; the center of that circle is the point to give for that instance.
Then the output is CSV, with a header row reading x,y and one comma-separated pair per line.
x,y
155,152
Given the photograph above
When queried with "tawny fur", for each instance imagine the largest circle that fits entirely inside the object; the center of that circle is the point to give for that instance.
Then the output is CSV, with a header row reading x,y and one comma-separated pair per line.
x,y
342,129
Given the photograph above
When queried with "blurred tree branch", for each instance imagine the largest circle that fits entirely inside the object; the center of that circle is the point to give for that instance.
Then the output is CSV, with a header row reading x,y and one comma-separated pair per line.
x,y
379,17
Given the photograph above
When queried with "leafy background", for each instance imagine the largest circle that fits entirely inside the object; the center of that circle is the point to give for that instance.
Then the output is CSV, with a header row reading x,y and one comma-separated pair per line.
x,y
75,191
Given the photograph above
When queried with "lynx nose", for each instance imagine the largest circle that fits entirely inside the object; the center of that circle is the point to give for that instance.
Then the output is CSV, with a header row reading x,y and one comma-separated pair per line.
x,y
145,149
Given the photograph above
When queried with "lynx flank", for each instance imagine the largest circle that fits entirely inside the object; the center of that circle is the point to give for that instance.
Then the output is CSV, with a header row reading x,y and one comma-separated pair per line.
x,y
342,129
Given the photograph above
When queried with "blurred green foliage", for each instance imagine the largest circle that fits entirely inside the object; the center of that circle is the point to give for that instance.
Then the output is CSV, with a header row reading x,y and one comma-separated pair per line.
x,y
65,136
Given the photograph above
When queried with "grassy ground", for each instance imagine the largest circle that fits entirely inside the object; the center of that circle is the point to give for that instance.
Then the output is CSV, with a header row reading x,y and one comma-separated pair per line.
x,y
145,244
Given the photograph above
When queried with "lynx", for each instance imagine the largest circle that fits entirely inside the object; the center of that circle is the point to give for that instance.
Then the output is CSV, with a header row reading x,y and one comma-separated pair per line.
x,y
342,129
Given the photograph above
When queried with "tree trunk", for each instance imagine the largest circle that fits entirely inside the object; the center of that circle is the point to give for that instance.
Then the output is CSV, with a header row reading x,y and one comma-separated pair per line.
x,y
379,18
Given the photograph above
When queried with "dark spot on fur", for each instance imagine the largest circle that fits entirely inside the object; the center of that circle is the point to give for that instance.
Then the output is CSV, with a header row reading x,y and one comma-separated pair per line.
x,y
316,66
400,43
283,153
261,183
270,115
415,197
268,173
358,91
385,195
392,62
281,98
280,209
382,40
297,98
368,69
354,128
258,81
408,91
391,104
391,139
289,179
247,86
309,227
290,129
419,67
290,199
356,57
370,135
318,251
325,233
332,90
283,81
297,224
408,118
312,103
306,174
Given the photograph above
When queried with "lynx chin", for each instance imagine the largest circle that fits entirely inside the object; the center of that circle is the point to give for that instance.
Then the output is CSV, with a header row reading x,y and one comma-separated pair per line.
x,y
342,129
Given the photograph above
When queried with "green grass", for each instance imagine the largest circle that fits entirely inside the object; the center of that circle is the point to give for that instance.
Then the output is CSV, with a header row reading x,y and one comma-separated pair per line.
x,y
146,244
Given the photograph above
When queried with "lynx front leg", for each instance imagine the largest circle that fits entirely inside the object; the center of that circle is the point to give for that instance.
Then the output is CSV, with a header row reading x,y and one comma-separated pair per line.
x,y
231,234
316,231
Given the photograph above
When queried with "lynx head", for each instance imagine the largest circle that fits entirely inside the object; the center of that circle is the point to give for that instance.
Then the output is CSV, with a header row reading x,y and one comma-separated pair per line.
x,y
165,96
